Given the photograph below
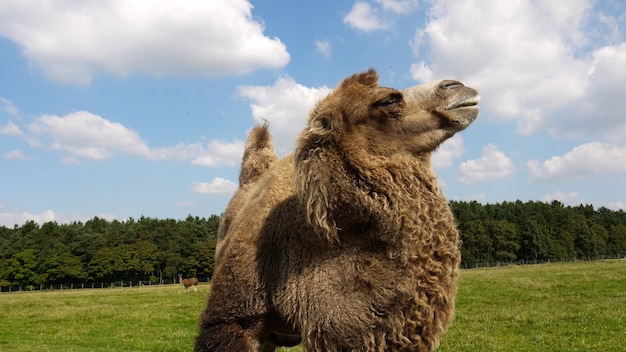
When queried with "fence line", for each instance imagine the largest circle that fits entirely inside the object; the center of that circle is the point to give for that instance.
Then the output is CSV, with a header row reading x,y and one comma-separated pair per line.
x,y
495,264
132,284
91,285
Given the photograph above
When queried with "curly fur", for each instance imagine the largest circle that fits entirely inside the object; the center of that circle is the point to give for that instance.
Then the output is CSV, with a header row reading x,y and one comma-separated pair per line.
x,y
258,155
347,244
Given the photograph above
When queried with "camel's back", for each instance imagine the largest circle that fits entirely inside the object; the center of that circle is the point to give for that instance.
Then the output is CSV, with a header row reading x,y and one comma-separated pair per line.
x,y
247,212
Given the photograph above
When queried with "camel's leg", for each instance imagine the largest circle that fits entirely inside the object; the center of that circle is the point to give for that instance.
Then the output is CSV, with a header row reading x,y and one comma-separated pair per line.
x,y
224,338
269,347
235,316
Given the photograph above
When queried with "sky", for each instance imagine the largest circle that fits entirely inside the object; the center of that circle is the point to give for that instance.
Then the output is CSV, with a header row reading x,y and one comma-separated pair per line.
x,y
121,109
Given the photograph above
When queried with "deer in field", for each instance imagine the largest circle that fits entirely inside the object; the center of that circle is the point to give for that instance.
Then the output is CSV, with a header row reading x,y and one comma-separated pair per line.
x,y
191,282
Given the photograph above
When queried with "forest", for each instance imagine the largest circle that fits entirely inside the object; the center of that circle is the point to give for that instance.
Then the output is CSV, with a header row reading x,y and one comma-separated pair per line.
x,y
157,250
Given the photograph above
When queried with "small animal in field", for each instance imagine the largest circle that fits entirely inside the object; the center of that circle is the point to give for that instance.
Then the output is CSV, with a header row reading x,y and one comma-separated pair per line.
x,y
347,244
191,282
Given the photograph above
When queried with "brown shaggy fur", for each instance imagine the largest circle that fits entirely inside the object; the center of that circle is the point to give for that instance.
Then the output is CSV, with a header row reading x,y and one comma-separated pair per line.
x,y
348,244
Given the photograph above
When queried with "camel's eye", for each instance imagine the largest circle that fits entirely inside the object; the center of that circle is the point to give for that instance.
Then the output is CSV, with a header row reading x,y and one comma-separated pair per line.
x,y
389,101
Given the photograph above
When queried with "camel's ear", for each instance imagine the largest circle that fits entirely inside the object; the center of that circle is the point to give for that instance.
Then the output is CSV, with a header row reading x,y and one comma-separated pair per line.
x,y
319,173
368,78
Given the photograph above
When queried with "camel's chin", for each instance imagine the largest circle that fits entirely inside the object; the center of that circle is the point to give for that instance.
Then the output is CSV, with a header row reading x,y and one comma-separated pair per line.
x,y
461,117
466,115
461,111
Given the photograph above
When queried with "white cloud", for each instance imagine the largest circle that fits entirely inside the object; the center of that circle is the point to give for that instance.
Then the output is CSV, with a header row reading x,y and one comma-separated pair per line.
x,y
8,106
11,129
529,121
15,154
73,41
602,111
220,153
364,18
449,150
521,55
217,186
566,198
376,15
83,135
70,160
493,165
285,105
584,161
421,72
323,48
616,205
17,217
10,219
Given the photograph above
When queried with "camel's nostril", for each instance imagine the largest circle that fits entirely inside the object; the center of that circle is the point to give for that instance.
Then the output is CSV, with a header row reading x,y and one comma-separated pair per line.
x,y
450,84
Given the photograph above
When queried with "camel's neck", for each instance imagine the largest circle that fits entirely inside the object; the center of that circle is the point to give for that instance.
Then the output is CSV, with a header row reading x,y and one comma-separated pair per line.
x,y
399,177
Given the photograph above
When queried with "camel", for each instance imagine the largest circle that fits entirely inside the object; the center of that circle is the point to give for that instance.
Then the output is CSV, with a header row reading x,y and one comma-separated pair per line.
x,y
347,244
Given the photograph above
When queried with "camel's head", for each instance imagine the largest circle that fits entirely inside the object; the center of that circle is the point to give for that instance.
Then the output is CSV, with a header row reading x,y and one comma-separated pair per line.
x,y
361,134
384,121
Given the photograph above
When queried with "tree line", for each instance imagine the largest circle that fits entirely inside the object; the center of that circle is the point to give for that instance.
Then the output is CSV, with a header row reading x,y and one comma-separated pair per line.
x,y
98,250
538,232
157,250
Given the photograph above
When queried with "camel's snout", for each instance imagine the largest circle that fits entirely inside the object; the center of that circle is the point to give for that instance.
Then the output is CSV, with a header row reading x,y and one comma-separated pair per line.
x,y
459,104
450,84
455,103
457,95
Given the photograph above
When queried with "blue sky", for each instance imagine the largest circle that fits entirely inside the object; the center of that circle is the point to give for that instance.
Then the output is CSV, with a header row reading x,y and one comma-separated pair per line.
x,y
119,109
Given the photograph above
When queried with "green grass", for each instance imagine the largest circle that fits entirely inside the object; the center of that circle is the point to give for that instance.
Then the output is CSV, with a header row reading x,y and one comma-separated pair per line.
x,y
156,318
550,307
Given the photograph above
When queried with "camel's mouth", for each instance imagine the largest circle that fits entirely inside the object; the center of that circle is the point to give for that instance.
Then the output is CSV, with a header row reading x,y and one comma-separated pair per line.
x,y
462,111
471,102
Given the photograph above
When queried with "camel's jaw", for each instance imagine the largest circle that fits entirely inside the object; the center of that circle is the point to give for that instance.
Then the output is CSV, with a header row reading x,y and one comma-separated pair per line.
x,y
462,111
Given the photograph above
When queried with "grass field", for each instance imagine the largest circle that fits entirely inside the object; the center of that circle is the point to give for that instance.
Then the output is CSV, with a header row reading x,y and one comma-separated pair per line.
x,y
550,307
